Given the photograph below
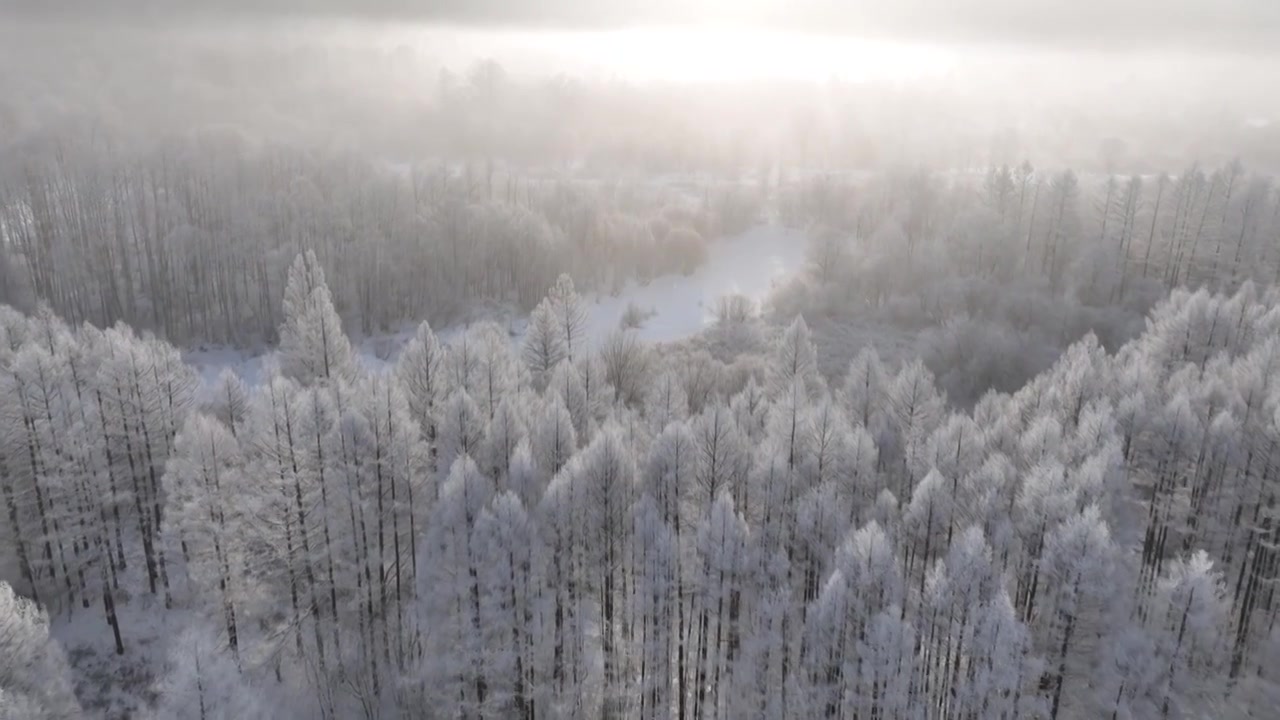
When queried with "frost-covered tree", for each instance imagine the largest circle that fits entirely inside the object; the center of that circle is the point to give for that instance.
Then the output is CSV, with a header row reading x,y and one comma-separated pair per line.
x,y
568,311
496,373
200,680
143,394
395,461
628,365
1188,615
507,428
313,346
603,485
720,601
419,371
35,679
654,597
205,486
722,456
453,666
292,545
1004,672
524,478
842,668
231,400
915,409
925,524
669,483
1079,561
794,360
554,439
666,401
830,440
512,609
568,384
544,345
461,429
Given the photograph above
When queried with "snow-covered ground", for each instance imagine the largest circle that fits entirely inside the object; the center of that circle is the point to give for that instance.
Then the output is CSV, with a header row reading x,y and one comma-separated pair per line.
x,y
210,362
750,264
117,686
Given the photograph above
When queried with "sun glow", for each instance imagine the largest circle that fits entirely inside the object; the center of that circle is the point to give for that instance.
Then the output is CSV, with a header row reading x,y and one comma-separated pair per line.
x,y
710,55
713,55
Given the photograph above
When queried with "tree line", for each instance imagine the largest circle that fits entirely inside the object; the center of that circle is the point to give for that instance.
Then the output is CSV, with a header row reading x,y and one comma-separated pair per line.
x,y
989,277
1101,236
192,239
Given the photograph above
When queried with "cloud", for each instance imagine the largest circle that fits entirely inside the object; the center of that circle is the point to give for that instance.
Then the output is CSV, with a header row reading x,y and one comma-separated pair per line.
x,y
1231,25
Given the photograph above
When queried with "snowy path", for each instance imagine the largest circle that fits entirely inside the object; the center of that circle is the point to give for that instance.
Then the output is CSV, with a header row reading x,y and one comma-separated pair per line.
x,y
750,264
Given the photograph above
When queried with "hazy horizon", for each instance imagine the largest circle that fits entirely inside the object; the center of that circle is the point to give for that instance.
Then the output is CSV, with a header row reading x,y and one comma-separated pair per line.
x,y
1229,24
1169,103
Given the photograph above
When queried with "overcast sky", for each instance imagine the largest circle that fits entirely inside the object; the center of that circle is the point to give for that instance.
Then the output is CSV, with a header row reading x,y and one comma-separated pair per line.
x,y
1220,25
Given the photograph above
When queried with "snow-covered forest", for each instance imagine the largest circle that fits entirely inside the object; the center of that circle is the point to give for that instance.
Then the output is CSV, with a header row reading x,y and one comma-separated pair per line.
x,y
361,369
550,528
203,233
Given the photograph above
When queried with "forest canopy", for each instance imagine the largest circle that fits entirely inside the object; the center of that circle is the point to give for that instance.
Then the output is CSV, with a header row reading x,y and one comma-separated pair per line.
x,y
554,364
558,532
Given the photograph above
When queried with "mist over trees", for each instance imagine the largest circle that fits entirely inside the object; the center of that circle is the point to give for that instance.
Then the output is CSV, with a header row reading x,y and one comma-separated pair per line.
x,y
354,367
472,532
409,92
989,277
192,241
910,483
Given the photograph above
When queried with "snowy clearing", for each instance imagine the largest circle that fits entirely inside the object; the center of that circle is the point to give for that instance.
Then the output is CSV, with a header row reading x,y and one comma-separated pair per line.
x,y
750,264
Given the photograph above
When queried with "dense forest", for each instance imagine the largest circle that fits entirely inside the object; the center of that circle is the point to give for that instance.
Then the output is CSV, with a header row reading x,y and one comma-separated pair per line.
x,y
192,242
551,529
354,365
